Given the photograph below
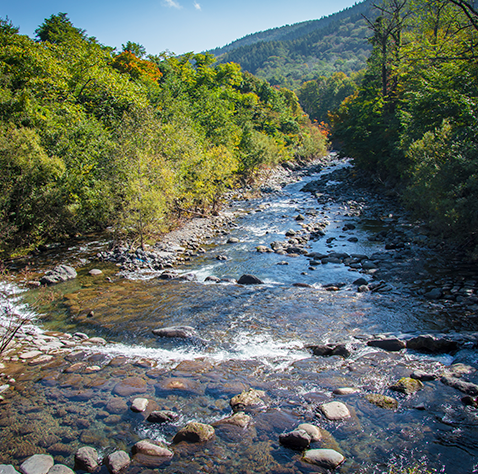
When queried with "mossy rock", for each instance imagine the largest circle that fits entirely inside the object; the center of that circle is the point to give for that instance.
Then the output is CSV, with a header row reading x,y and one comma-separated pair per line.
x,y
382,401
407,385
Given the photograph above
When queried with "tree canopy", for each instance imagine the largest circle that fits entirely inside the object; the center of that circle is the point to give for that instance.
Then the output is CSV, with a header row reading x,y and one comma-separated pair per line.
x,y
90,138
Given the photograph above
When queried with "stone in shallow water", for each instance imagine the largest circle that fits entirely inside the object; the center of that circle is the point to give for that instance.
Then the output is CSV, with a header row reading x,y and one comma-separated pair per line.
x,y
382,401
465,387
139,405
37,464
7,469
239,419
182,332
117,461
249,280
162,416
194,433
391,344
327,458
86,459
297,439
312,430
407,385
345,391
335,411
60,469
150,448
247,399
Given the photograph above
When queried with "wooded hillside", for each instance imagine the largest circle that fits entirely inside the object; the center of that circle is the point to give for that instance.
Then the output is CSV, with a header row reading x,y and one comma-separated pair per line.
x,y
90,138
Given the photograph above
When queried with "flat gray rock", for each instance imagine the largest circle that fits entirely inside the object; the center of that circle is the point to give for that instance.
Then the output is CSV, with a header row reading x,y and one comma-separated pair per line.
x,y
335,411
37,464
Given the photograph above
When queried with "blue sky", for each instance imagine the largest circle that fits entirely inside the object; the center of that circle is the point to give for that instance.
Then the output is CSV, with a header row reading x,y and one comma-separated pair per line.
x,y
175,25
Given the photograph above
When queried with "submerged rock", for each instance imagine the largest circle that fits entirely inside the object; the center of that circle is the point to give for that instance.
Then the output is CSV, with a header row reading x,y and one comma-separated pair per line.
x,y
382,401
194,433
326,458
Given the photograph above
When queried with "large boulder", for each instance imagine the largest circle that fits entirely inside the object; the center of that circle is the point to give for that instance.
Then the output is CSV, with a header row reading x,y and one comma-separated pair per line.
x,y
58,274
8,469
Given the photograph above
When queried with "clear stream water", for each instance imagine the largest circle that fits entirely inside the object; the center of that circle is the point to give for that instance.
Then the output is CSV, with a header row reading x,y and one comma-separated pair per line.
x,y
248,336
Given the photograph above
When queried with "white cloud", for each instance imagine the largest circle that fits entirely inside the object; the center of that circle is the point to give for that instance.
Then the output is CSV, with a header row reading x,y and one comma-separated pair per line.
x,y
172,3
197,6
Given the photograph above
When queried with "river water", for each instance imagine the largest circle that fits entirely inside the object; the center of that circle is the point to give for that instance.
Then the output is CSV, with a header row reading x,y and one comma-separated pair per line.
x,y
248,336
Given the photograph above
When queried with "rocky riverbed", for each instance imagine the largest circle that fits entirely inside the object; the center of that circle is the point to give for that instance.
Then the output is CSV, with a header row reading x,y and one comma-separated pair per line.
x,y
351,345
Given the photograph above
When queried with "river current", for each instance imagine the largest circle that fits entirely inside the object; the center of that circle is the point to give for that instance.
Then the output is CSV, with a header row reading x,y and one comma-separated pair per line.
x,y
247,336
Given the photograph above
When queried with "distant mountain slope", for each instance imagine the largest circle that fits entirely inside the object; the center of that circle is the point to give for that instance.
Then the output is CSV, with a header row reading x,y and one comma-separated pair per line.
x,y
292,54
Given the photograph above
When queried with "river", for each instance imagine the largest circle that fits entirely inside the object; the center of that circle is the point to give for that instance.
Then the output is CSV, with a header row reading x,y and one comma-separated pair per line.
x,y
253,336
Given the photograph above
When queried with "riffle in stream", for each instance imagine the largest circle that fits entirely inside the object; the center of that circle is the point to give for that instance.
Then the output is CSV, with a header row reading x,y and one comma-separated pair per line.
x,y
252,336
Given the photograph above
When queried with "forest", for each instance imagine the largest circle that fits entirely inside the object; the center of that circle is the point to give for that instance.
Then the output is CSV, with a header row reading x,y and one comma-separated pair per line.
x,y
92,138
412,121
290,56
